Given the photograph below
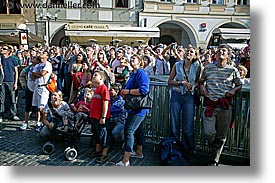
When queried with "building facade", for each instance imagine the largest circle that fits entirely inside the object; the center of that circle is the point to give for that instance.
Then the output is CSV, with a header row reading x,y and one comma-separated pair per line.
x,y
59,22
14,17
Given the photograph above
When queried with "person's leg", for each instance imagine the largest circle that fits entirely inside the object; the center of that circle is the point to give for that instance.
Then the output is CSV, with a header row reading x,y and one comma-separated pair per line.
x,y
2,101
131,125
188,112
175,111
118,131
222,127
140,140
13,107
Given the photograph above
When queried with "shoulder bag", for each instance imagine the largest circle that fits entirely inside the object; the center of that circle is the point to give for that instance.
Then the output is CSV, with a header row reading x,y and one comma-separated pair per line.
x,y
138,102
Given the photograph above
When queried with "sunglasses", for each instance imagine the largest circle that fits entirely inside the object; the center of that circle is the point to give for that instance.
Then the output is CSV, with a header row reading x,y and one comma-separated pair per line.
x,y
4,48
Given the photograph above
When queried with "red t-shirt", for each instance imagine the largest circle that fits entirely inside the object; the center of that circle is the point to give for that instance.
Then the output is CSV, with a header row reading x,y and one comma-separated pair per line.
x,y
82,109
100,94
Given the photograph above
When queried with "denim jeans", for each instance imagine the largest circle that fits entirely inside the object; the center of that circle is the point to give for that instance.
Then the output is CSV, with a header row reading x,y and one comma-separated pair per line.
x,y
183,105
117,132
133,122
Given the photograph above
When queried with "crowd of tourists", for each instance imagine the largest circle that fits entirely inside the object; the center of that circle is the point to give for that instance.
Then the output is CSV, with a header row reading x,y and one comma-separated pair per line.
x,y
92,82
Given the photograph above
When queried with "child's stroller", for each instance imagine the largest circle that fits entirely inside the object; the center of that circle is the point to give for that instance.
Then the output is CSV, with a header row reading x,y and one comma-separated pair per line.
x,y
70,138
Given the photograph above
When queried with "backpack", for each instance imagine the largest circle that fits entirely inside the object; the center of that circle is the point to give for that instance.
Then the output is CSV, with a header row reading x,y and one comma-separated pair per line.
x,y
52,84
172,152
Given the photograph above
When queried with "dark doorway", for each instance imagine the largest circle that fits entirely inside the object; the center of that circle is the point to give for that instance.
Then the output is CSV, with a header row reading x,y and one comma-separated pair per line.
x,y
167,39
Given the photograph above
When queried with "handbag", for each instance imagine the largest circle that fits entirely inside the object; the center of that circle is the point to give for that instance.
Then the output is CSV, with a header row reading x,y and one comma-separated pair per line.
x,y
138,102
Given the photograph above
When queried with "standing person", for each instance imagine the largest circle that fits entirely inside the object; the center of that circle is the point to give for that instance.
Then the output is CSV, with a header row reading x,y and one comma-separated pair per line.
x,y
41,74
122,72
138,84
9,85
29,85
100,115
218,84
183,79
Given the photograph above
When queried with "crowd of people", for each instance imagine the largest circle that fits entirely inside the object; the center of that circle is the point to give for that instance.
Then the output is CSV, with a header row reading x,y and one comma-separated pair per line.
x,y
92,83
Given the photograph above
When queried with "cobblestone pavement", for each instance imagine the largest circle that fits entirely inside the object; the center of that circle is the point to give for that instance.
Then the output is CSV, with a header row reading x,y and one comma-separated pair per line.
x,y
23,148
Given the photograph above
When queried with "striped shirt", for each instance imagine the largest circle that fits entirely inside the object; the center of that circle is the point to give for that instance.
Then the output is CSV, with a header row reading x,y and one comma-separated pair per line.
x,y
219,80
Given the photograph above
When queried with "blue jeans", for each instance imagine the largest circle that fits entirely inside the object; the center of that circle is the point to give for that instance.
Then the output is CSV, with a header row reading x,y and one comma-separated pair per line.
x,y
132,124
117,132
183,105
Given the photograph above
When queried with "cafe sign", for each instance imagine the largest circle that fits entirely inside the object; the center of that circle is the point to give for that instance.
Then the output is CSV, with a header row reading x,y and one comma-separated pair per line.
x,y
91,27
8,26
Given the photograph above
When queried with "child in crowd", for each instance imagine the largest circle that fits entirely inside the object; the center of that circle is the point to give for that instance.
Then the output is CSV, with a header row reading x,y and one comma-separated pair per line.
x,y
82,108
100,117
122,72
118,113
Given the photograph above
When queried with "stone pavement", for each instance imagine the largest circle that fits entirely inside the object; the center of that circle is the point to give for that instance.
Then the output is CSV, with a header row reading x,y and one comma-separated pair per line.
x,y
23,148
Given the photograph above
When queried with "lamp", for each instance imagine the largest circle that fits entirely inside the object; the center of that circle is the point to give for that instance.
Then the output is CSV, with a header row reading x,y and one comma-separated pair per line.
x,y
48,17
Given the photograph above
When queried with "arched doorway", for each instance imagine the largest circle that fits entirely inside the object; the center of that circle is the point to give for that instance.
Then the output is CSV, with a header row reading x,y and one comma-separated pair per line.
x,y
175,31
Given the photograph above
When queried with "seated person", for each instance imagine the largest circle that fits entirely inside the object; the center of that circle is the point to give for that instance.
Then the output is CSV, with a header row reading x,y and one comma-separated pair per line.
x,y
118,113
81,110
53,113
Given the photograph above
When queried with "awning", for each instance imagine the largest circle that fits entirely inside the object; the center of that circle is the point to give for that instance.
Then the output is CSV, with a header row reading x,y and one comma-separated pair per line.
x,y
127,35
233,33
237,45
12,37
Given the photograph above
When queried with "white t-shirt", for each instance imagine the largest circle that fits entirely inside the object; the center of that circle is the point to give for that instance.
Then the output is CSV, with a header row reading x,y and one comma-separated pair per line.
x,y
47,66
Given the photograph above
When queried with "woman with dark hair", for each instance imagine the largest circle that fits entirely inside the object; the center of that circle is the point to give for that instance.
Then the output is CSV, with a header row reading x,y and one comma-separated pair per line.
x,y
183,79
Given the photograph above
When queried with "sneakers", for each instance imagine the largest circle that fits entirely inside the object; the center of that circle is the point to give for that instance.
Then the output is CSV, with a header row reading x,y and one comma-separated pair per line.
x,y
15,118
102,159
121,163
38,127
24,126
135,155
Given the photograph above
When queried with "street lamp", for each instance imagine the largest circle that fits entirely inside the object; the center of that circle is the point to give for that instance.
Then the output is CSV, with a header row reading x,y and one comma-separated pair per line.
x,y
48,17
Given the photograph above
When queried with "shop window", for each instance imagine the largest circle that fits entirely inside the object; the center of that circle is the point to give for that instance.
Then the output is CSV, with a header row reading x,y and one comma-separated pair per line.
x,y
14,9
167,1
220,2
243,2
121,3
192,1
3,7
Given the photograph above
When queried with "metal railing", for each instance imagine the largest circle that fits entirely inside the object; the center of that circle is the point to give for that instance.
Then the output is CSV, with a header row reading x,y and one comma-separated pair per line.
x,y
157,123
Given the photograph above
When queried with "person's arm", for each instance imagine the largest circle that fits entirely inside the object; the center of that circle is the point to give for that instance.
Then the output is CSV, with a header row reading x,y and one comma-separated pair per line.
x,y
104,111
171,81
15,78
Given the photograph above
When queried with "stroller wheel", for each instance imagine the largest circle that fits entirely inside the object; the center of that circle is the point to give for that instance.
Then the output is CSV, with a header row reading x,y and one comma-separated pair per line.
x,y
48,148
70,153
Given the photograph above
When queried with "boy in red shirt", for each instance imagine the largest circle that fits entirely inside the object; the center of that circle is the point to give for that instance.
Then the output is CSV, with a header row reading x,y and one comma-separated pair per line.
x,y
100,115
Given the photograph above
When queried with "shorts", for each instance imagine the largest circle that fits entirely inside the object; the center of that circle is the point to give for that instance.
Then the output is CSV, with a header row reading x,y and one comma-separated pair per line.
x,y
40,97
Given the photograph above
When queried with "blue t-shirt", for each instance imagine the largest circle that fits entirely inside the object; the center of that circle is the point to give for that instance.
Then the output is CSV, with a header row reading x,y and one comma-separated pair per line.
x,y
8,67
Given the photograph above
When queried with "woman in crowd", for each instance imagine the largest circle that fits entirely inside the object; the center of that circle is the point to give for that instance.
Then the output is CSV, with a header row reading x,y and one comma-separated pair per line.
x,y
183,79
138,84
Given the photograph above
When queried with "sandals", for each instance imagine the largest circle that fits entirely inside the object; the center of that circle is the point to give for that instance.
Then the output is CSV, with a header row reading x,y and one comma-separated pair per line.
x,y
121,163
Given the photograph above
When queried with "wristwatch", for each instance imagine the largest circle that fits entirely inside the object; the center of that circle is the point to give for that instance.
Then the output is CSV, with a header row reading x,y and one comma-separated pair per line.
x,y
103,117
180,82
